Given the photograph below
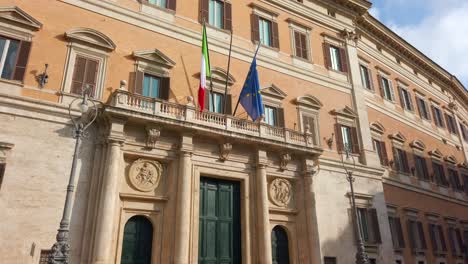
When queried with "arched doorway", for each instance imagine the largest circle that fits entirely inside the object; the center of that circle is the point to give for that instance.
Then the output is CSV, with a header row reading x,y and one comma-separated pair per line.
x,y
279,246
137,241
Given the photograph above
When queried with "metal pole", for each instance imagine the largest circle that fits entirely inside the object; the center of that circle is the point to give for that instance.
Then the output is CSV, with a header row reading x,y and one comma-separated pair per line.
x,y
227,75
61,248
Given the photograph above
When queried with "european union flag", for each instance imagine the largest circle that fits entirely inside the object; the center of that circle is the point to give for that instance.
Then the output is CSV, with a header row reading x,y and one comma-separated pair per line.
x,y
250,97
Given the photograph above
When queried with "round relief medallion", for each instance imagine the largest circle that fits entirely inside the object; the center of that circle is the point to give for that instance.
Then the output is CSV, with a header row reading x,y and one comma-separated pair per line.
x,y
280,192
144,174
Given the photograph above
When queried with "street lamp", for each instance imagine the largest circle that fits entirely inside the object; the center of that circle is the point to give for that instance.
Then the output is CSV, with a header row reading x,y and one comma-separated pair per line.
x,y
61,249
361,256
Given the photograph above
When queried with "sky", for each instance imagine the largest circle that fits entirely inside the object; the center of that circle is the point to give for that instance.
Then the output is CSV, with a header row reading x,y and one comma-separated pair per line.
x,y
438,28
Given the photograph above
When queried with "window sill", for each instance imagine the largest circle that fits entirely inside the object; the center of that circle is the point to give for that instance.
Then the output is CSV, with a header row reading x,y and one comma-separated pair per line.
x,y
268,51
157,11
12,82
301,62
226,34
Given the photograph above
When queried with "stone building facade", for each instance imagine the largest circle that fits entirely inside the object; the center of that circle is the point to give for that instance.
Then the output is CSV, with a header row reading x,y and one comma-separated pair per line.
x,y
159,181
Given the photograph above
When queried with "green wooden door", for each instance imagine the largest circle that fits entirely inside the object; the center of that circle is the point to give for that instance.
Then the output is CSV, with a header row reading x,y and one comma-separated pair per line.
x,y
137,241
219,233
279,246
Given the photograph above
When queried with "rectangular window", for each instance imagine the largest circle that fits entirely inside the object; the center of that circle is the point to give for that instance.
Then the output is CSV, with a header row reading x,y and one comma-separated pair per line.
x,y
439,174
218,104
422,108
14,55
308,125
151,86
346,138
216,13
335,58
465,181
464,131
455,180
85,75
381,150
456,242
271,115
400,160
397,232
369,225
437,238
405,99
438,119
301,45
160,3
366,77
329,260
264,28
451,124
386,89
416,235
421,168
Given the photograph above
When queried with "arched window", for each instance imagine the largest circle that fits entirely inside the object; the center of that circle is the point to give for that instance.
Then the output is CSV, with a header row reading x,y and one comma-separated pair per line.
x,y
279,246
137,241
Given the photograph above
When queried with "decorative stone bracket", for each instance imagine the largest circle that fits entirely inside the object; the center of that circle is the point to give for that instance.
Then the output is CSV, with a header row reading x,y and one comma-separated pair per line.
x,y
5,149
284,160
153,133
224,151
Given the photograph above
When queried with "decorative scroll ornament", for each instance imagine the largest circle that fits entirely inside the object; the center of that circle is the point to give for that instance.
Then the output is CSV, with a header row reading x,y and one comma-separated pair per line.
x,y
144,174
224,151
152,136
284,160
280,192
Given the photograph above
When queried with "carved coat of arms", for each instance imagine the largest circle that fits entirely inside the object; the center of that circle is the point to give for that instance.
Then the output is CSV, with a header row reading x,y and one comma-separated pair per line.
x,y
144,175
280,192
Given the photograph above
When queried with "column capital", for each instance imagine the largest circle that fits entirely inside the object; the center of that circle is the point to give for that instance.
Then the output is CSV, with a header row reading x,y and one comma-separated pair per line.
x,y
351,37
115,141
262,159
310,168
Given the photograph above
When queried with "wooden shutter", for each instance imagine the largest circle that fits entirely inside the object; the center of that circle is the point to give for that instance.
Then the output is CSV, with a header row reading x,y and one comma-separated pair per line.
x,y
254,20
274,35
383,153
138,87
171,4
442,238
354,138
207,99
339,138
436,121
78,75
227,16
459,240
425,105
165,88
92,67
412,239
405,162
410,101
452,241
422,238
371,79
280,117
228,103
22,61
396,159
381,88
392,92
402,100
401,240
375,225
432,234
326,55
420,107
297,43
447,120
204,11
343,60
305,51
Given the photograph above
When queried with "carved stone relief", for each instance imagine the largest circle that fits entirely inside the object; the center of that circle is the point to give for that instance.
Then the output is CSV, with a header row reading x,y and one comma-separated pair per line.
x,y
152,136
280,192
284,160
144,175
224,151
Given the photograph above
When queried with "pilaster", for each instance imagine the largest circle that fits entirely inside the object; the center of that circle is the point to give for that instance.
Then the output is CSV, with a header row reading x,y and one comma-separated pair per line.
x,y
263,214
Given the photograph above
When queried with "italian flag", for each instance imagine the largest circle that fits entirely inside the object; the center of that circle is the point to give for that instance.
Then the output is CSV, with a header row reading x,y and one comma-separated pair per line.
x,y
205,70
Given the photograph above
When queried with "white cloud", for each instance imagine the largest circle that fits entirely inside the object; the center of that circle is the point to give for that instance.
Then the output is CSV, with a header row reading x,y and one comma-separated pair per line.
x,y
443,36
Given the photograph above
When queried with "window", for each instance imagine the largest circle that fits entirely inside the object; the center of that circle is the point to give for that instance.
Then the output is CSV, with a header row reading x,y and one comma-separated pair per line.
x,y
335,58
279,245
308,124
271,115
423,108
437,238
366,77
265,31
301,45
329,260
381,150
397,232
416,235
152,86
2,173
386,89
347,138
160,3
216,101
405,99
369,225
456,241
85,76
437,114
372,261
14,56
439,174
217,13
455,180
400,160
421,168
451,124
464,131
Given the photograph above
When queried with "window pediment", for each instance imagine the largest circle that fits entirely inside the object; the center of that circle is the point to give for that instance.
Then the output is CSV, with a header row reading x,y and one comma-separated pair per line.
x,y
345,112
154,57
450,159
309,101
398,137
90,36
14,14
463,165
418,144
377,127
273,91
435,153
220,75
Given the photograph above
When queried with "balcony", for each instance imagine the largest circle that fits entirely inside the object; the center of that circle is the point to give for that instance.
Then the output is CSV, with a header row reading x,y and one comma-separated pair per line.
x,y
187,116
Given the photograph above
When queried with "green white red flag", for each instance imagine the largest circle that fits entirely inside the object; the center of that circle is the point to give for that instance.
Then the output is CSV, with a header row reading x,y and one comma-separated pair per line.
x,y
205,70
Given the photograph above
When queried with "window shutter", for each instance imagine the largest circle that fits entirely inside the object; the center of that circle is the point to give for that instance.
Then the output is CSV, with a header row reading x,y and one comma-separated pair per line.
x,y
381,88
371,80
297,43
227,16
396,159
427,111
274,35
459,240
355,143
91,76
405,162
420,107
410,101
280,117
452,240
447,120
204,11
411,234
207,99
138,86
436,121
22,61
402,100
171,4
375,225
165,88
433,238
422,238
392,92
343,60
442,238
401,240
326,55
228,104
383,154
254,24
339,138
78,75
305,51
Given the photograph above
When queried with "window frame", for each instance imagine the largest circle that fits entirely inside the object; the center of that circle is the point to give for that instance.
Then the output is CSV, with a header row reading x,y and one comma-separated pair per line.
x,y
309,106
422,103
272,97
440,180
368,84
405,98
452,126
370,232
464,131
425,170
454,179
438,116
306,33
386,88
396,231
222,18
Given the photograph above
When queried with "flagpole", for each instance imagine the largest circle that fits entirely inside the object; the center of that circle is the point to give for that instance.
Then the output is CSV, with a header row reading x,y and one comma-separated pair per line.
x,y
227,75
238,100
211,80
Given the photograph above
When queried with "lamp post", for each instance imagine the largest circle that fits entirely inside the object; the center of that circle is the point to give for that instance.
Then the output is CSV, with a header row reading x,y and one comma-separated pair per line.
x,y
61,249
361,256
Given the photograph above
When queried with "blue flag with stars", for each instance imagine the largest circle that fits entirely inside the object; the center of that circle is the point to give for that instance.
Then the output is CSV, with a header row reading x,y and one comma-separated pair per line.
x,y
250,97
